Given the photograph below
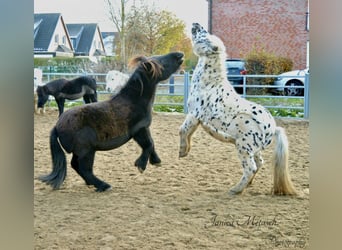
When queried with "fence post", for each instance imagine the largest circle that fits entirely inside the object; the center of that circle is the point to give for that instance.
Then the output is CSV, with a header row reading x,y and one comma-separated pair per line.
x,y
306,95
244,93
172,85
186,92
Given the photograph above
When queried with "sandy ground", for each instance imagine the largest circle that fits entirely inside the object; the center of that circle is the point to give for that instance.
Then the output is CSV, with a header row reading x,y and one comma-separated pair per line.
x,y
183,204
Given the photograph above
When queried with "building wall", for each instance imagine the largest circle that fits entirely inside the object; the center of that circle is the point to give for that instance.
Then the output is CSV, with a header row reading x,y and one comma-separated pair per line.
x,y
277,26
96,43
59,37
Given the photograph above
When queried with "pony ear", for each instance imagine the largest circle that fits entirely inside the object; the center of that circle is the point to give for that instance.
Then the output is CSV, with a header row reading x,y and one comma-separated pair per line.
x,y
150,65
136,61
153,67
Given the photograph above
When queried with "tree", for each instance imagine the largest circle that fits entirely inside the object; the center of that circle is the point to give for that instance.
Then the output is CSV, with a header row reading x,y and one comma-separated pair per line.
x,y
117,14
152,32
145,30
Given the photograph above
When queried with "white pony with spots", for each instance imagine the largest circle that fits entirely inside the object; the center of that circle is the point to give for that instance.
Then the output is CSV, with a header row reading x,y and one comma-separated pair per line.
x,y
214,104
115,80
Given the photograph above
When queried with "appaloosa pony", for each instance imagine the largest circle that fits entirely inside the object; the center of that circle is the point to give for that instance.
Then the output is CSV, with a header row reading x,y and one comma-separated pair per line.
x,y
115,80
62,89
226,116
106,125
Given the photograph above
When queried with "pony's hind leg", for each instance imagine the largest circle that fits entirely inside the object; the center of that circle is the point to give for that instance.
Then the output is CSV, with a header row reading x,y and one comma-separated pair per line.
x,y
187,129
84,167
249,170
74,163
259,162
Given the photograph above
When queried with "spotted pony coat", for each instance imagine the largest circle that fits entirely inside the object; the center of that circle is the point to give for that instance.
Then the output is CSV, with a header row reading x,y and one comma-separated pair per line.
x,y
214,104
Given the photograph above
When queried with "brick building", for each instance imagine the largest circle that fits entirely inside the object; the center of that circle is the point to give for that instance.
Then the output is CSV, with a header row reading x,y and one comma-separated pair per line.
x,y
281,27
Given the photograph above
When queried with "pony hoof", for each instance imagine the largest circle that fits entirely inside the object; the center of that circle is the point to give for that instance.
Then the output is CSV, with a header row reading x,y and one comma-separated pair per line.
x,y
233,192
103,189
155,162
182,154
141,170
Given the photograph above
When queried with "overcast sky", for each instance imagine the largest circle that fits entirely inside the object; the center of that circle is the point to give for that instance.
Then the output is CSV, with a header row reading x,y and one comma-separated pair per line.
x,y
94,11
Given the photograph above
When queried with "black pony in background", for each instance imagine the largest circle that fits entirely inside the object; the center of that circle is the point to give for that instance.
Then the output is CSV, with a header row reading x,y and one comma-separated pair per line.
x,y
62,89
106,125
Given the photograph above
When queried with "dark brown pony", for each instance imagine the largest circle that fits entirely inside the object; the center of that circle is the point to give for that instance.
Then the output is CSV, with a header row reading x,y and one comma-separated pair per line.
x,y
62,89
106,125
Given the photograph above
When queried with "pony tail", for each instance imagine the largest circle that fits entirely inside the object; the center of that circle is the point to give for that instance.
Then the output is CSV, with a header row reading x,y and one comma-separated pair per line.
x,y
282,182
57,176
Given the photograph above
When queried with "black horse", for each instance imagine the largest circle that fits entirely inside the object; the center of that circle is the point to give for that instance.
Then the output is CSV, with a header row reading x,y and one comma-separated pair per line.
x,y
63,89
106,125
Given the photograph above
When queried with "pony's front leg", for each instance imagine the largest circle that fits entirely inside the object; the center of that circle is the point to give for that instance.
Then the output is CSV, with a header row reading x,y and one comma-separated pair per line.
x,y
186,131
144,139
154,158
60,103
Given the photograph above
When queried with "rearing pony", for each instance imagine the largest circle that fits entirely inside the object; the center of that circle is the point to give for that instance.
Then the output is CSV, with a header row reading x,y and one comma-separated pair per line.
x,y
106,125
226,116
62,89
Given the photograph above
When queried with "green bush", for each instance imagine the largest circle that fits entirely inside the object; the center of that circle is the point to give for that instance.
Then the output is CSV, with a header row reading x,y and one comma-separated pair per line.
x,y
261,62
76,65
61,64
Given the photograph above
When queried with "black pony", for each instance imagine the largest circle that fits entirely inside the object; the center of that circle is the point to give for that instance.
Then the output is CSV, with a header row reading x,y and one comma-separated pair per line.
x,y
106,125
63,89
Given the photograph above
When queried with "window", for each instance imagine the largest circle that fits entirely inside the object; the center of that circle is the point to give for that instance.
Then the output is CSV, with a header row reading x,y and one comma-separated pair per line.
x,y
73,41
56,38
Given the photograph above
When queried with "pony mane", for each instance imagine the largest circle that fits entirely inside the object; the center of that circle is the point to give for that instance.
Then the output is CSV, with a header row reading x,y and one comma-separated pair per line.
x,y
149,64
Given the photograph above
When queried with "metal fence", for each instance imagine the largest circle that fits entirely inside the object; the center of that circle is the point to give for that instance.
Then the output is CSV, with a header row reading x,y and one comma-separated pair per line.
x,y
175,91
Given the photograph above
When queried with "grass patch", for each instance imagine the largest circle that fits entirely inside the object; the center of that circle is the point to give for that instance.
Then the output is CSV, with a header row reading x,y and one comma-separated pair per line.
x,y
294,102
168,108
166,103
287,112
285,102
169,99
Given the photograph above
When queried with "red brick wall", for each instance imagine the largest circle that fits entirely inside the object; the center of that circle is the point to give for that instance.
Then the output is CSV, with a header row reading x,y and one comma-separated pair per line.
x,y
277,26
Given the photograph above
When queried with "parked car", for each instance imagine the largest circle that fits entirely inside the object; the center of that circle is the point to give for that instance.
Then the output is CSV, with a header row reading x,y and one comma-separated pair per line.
x,y
236,68
288,80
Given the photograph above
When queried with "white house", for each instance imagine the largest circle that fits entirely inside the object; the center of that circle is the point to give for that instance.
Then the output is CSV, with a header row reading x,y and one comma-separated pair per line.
x,y
51,37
